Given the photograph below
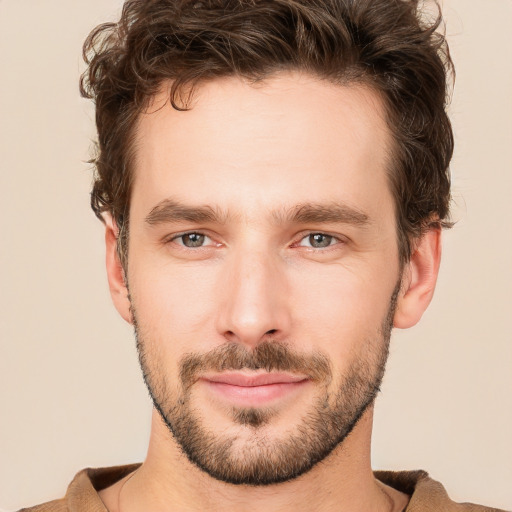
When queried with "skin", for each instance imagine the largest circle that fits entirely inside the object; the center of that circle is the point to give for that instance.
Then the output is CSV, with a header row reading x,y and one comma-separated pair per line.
x,y
254,153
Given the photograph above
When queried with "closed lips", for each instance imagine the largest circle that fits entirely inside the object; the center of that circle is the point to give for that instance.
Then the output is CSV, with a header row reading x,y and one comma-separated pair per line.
x,y
244,380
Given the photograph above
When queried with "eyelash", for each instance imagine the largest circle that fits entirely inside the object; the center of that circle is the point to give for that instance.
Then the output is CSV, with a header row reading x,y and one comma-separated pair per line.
x,y
334,238
188,233
331,238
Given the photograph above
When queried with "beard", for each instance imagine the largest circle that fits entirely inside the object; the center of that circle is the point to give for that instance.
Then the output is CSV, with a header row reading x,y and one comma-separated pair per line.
x,y
260,459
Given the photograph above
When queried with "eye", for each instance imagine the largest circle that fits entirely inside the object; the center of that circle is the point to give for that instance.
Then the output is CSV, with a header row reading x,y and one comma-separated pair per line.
x,y
192,240
318,241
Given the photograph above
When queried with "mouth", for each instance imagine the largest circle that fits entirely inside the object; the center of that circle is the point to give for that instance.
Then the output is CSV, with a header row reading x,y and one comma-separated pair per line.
x,y
253,390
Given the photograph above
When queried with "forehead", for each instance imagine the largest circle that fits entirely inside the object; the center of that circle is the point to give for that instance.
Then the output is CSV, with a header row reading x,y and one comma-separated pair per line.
x,y
289,139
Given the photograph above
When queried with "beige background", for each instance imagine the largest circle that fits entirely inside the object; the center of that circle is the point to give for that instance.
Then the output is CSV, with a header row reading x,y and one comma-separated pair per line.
x,y
70,391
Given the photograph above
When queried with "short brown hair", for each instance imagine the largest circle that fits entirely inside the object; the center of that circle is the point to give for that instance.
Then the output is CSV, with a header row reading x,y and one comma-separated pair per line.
x,y
382,43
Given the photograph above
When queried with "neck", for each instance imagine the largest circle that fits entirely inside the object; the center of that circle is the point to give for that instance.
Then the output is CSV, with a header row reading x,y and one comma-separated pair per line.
x,y
343,482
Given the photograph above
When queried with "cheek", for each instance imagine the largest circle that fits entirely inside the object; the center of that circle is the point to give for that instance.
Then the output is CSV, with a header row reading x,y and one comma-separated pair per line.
x,y
173,304
338,310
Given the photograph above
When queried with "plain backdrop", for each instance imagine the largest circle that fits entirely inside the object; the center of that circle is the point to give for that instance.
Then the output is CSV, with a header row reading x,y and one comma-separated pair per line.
x,y
71,394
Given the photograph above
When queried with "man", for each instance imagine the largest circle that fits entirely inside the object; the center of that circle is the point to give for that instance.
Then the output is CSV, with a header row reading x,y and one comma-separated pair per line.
x,y
273,177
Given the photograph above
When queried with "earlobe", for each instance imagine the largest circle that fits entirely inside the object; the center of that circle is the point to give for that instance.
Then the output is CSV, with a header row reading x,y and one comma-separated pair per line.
x,y
419,280
115,271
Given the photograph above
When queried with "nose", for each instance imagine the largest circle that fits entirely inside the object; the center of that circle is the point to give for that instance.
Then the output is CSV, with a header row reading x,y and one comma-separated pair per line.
x,y
255,304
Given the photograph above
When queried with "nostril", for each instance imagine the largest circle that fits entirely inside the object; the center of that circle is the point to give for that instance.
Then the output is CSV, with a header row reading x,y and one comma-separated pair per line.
x,y
272,331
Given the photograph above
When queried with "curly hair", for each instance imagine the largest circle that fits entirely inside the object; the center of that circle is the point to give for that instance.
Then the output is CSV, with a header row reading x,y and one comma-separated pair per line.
x,y
386,44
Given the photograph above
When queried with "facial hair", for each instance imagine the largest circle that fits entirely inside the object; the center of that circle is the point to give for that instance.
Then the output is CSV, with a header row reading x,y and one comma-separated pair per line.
x,y
263,460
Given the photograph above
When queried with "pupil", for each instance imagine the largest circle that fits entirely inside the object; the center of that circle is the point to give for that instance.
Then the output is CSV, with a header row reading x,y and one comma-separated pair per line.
x,y
193,240
318,240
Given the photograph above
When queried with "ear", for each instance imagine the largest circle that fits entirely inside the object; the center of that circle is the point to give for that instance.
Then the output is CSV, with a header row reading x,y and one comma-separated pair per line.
x,y
115,271
419,279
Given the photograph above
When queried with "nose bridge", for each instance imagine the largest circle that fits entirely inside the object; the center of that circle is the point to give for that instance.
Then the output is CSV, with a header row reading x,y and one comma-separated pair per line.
x,y
254,304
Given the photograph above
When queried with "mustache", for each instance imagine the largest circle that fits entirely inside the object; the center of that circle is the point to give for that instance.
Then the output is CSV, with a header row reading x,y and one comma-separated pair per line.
x,y
269,356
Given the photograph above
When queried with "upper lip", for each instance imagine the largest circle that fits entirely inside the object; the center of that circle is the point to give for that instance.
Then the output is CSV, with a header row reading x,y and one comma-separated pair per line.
x,y
248,380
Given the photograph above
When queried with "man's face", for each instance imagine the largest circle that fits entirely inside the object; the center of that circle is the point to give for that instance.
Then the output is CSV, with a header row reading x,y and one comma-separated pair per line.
x,y
263,270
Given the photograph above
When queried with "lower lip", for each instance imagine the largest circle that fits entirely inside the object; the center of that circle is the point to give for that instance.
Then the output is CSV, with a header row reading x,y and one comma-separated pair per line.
x,y
255,395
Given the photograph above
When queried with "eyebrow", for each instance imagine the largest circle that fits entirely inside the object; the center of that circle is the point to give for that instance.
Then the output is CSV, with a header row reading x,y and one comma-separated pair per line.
x,y
169,210
172,211
333,212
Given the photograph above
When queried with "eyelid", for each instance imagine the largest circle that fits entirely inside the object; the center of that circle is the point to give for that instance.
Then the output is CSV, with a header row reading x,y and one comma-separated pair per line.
x,y
339,239
175,236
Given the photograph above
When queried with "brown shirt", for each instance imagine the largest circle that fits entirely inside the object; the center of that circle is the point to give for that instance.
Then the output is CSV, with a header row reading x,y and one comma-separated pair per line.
x,y
427,495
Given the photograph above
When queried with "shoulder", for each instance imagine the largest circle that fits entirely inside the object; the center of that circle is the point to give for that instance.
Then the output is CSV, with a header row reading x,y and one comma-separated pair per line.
x,y
50,506
427,494
82,493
